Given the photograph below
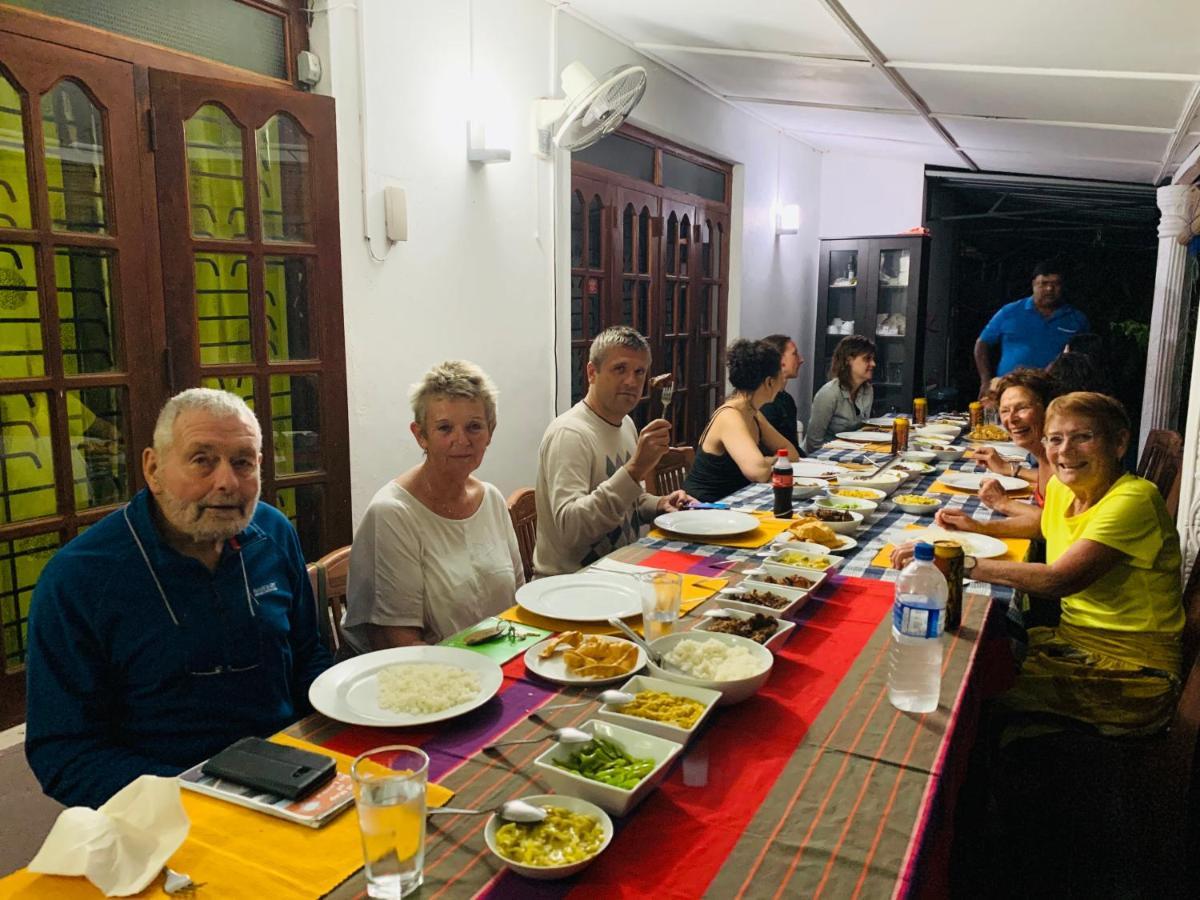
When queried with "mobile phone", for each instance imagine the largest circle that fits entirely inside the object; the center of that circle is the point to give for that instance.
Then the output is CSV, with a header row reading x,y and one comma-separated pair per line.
x,y
275,768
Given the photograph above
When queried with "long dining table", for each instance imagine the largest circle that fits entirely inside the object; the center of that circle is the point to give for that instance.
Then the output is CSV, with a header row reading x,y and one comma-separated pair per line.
x,y
816,786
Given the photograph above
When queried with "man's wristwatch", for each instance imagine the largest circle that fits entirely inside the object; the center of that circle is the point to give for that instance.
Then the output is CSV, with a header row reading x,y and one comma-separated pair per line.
x,y
968,564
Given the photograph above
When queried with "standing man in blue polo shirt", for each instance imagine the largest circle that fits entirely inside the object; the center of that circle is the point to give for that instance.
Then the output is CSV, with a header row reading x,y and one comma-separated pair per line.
x,y
1031,332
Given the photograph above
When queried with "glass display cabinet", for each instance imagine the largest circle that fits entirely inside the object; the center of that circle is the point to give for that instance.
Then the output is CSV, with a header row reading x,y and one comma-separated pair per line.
x,y
875,287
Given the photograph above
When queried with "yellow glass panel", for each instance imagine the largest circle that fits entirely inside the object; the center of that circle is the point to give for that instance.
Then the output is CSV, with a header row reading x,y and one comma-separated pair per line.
x,y
14,177
83,279
215,174
96,426
242,385
73,132
304,506
296,423
26,458
20,319
21,562
223,308
283,178
286,282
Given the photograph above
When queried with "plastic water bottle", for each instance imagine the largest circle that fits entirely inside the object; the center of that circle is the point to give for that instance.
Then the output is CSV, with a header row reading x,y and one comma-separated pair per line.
x,y
918,621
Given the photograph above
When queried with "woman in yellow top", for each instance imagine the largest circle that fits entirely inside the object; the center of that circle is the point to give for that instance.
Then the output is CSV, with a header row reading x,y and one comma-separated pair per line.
x,y
1112,554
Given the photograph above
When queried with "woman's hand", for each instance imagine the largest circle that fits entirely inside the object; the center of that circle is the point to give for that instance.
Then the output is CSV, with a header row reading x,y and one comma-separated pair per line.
x,y
902,554
954,519
992,495
990,457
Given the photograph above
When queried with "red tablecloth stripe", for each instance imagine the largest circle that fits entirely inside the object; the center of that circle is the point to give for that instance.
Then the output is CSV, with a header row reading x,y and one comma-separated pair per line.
x,y
680,836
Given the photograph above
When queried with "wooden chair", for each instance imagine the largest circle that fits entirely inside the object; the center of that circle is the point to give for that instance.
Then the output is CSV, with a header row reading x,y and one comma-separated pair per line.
x,y
523,509
329,575
1162,463
672,470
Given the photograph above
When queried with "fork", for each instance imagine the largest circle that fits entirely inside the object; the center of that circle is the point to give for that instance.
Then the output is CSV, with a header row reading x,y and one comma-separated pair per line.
x,y
667,393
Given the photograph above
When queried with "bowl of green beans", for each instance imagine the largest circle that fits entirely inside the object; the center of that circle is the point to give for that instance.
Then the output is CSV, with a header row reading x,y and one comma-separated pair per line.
x,y
616,770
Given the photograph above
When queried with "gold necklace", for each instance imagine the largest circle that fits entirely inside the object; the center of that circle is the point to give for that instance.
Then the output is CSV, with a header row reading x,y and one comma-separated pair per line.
x,y
447,509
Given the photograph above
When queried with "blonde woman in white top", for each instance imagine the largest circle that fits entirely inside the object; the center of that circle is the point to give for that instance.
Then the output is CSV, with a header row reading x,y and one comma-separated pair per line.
x,y
435,551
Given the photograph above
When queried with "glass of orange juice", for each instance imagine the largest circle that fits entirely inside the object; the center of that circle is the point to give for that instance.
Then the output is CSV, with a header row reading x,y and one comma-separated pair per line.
x,y
389,792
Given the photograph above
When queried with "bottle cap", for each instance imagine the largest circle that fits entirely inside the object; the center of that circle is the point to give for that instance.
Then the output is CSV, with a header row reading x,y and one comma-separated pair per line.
x,y
782,453
924,552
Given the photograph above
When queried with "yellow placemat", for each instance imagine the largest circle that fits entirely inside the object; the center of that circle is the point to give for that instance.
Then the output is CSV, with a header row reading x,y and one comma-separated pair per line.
x,y
768,529
696,590
1018,549
239,853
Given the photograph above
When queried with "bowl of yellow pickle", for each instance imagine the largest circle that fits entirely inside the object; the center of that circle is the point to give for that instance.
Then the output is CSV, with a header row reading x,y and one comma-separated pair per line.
x,y
573,834
917,504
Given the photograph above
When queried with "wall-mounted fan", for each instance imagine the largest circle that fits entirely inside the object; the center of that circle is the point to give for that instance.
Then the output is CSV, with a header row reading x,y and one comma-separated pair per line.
x,y
592,108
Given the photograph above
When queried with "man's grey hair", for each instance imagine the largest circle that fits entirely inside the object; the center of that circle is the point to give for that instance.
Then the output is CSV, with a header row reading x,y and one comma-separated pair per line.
x,y
456,379
616,336
209,400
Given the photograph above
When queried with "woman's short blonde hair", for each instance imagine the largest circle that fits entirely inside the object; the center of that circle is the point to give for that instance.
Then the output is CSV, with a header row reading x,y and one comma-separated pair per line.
x,y
1106,412
455,379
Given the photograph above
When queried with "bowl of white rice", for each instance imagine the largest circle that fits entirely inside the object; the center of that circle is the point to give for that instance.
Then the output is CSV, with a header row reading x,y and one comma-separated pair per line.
x,y
735,666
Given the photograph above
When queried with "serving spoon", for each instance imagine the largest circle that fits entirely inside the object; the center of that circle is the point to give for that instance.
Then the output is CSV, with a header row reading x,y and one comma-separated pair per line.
x,y
509,810
610,698
655,657
561,735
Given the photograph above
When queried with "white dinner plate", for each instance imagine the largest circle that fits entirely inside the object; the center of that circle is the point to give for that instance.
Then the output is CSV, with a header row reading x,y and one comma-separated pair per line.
x,y
971,481
348,691
981,546
816,468
706,523
554,668
583,597
848,543
865,437
1007,449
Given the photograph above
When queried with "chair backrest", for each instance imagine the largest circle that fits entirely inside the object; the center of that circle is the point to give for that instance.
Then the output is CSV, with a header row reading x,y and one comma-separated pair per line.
x,y
522,507
1162,463
330,574
673,469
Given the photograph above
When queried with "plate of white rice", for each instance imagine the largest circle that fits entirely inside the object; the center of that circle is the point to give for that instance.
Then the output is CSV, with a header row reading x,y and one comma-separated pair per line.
x,y
405,686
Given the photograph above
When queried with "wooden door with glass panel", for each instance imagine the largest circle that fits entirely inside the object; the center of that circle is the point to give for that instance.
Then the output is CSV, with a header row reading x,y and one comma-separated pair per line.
x,y
675,329
639,229
252,306
78,385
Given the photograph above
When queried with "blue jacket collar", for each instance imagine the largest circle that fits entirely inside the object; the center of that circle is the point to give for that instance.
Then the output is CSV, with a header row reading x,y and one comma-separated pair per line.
x,y
141,517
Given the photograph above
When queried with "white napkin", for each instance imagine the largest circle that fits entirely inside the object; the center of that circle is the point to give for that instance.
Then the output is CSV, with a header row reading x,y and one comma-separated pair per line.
x,y
122,846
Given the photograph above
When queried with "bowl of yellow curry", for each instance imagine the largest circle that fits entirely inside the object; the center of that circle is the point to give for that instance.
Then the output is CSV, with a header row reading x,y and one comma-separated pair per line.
x,y
665,709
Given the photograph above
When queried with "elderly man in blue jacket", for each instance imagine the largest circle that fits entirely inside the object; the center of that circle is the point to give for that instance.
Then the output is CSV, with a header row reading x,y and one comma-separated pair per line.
x,y
175,625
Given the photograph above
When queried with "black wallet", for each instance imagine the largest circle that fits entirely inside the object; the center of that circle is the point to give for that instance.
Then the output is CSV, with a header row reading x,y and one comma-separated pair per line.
x,y
285,771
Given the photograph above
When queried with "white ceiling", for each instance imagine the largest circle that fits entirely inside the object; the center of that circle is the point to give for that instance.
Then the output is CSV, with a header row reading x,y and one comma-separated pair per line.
x,y
1106,89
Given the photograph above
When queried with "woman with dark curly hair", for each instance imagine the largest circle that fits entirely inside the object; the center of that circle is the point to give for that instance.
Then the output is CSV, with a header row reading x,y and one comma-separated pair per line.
x,y
845,400
738,445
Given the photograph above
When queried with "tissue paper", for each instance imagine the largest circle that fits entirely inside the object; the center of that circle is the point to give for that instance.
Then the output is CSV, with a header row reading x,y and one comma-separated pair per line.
x,y
122,846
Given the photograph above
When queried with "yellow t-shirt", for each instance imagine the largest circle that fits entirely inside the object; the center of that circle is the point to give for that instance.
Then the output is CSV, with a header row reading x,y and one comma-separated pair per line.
x,y
1142,591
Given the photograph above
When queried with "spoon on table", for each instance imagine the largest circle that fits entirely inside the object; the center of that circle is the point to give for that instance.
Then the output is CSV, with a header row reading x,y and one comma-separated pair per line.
x,y
509,810
562,735
610,698
715,613
616,623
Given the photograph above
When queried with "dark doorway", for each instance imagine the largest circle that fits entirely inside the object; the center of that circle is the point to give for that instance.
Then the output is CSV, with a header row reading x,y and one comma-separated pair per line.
x,y
989,231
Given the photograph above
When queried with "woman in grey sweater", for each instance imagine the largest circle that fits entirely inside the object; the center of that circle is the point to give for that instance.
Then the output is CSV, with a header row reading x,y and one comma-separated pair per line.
x,y
845,400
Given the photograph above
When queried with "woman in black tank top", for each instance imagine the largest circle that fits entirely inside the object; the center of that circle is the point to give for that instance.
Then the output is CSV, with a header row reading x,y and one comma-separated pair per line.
x,y
738,445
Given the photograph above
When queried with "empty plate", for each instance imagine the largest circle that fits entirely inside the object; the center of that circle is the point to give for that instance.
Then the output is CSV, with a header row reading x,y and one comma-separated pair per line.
x,y
706,522
583,597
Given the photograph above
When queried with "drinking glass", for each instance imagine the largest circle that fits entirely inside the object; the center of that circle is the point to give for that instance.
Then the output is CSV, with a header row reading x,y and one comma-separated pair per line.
x,y
661,595
389,792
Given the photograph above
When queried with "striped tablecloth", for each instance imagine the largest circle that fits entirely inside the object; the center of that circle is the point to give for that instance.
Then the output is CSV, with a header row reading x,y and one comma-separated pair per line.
x,y
814,787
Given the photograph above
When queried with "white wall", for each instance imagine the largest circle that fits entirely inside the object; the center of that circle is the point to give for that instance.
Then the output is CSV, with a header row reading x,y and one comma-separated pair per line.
x,y
475,279
865,195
